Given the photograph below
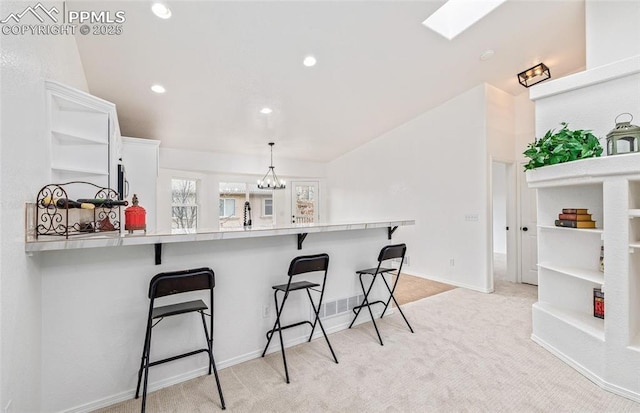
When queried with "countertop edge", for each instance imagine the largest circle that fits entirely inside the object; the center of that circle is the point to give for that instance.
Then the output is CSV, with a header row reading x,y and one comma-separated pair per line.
x,y
121,240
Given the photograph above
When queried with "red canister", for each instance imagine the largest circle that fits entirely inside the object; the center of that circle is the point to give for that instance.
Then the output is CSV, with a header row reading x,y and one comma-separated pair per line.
x,y
135,217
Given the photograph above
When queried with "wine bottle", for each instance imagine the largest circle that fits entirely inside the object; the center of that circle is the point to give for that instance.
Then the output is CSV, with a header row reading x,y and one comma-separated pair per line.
x,y
64,203
103,202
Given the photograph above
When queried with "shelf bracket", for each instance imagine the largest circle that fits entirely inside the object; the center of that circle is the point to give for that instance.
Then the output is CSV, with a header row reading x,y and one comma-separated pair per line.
x,y
391,230
158,253
301,238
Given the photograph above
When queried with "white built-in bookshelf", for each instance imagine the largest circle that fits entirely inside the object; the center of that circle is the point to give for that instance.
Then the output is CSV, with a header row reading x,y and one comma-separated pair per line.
x,y
605,350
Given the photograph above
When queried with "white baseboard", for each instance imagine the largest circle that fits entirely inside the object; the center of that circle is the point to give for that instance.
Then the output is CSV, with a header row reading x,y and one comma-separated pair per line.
x,y
605,385
170,381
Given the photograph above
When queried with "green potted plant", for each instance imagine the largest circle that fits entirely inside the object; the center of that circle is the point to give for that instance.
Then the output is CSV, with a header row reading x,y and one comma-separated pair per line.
x,y
563,146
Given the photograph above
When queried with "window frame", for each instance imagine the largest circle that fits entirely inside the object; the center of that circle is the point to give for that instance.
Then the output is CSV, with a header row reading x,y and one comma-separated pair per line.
x,y
224,201
195,204
264,207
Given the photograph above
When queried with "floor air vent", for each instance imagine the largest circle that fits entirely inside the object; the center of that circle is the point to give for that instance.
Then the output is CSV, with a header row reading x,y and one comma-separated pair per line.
x,y
338,307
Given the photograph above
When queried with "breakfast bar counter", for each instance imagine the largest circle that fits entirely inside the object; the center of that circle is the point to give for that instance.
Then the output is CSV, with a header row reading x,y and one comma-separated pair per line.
x,y
117,239
94,300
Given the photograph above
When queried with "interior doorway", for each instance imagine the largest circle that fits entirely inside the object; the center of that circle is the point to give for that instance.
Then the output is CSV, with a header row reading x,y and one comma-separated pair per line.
x,y
503,201
527,231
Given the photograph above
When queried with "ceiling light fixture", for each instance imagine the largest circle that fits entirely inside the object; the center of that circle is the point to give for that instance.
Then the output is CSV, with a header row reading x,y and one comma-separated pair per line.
x,y
270,179
533,75
265,111
161,10
158,89
309,61
456,16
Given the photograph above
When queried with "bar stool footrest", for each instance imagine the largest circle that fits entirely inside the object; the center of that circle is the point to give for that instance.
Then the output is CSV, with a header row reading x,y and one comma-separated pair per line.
x,y
270,332
178,357
368,304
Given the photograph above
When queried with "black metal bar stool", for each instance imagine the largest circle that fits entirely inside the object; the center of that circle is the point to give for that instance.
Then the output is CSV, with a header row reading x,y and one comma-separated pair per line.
x,y
177,282
300,265
387,253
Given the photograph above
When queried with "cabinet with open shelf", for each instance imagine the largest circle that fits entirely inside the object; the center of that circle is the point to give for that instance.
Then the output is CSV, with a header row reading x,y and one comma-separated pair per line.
x,y
569,266
82,136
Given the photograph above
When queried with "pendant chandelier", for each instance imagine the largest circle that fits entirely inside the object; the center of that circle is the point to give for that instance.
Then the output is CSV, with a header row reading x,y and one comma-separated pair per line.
x,y
270,179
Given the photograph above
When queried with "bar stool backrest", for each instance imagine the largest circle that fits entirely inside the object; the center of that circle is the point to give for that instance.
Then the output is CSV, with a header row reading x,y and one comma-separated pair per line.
x,y
309,263
392,251
176,282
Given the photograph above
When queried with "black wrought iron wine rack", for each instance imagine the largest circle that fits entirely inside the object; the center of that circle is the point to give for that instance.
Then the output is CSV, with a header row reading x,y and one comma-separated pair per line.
x,y
60,215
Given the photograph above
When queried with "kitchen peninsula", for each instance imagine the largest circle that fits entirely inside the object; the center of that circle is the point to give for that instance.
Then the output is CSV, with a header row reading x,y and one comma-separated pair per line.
x,y
94,299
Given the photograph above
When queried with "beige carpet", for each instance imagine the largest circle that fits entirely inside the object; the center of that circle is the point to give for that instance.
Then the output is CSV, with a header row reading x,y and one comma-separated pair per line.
x,y
410,289
471,353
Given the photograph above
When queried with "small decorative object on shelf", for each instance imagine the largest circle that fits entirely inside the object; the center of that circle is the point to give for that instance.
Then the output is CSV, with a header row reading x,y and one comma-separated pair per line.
x,y
624,138
602,258
58,214
563,146
135,217
598,303
575,218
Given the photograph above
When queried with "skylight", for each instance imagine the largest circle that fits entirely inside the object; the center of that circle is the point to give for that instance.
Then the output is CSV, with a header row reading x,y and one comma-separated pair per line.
x,y
456,16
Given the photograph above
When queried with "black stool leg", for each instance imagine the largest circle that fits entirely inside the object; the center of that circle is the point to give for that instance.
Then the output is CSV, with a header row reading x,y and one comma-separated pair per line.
x,y
317,320
273,330
143,358
366,294
365,303
212,363
392,297
277,327
146,371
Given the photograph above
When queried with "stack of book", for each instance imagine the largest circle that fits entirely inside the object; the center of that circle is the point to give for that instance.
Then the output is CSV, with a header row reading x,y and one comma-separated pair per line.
x,y
575,218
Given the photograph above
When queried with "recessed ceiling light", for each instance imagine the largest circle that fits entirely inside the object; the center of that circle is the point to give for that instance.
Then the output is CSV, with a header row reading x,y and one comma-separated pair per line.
x,y
488,54
309,61
456,16
265,111
161,10
158,88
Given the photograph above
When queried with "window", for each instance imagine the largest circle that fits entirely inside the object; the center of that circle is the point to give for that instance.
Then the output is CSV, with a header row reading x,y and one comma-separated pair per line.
x,y
184,205
227,207
267,207
243,203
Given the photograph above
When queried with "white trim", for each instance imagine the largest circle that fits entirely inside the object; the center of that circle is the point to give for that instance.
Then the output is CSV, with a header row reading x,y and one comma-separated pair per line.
x,y
612,71
586,372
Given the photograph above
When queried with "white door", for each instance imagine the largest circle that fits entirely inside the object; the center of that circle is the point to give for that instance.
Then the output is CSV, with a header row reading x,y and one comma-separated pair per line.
x,y
528,232
304,202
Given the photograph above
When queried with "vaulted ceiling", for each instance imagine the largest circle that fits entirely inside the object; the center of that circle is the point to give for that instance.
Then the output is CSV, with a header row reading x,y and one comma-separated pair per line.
x,y
378,67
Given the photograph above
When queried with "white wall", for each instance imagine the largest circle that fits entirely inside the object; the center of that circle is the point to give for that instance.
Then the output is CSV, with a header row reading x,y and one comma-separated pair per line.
x,y
432,169
525,124
612,30
26,62
140,158
500,120
499,193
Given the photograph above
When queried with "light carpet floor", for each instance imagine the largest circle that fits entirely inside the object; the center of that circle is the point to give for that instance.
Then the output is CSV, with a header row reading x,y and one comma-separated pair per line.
x,y
471,352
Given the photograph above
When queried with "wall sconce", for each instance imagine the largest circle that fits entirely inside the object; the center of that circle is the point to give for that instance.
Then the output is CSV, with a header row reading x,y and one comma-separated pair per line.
x,y
536,74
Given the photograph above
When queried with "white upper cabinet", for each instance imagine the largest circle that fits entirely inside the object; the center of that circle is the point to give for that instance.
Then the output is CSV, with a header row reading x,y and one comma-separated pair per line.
x,y
83,136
